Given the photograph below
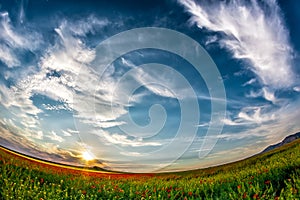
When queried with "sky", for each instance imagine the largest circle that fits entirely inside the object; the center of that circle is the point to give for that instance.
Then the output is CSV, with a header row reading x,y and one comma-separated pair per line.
x,y
148,86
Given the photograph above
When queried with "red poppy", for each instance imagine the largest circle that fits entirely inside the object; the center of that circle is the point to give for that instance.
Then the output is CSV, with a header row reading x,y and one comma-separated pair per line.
x,y
267,182
42,180
255,196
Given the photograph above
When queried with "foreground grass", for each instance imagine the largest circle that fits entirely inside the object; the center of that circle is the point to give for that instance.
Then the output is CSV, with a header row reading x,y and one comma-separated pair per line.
x,y
274,175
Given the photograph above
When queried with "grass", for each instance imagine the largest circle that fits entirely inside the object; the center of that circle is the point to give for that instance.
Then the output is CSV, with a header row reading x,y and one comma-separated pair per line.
x,y
273,175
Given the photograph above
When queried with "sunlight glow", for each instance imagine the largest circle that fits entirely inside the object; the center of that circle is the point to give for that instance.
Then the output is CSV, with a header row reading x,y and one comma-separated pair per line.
x,y
87,156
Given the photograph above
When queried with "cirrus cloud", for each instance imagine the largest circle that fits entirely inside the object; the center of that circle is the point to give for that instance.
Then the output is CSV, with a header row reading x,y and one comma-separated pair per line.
x,y
254,31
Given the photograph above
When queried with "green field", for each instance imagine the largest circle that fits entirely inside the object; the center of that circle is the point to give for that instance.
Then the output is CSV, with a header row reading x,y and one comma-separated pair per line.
x,y
273,175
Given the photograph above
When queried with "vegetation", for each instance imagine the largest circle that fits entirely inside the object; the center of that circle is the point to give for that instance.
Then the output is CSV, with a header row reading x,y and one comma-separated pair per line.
x,y
273,175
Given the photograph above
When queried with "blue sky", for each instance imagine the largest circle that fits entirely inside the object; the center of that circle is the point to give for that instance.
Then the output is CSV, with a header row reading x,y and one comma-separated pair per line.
x,y
147,86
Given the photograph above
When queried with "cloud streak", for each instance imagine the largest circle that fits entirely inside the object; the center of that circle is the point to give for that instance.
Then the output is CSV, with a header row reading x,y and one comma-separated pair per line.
x,y
253,31
15,40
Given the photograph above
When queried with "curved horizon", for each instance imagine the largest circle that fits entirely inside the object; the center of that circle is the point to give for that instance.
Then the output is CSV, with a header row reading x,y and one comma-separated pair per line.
x,y
148,86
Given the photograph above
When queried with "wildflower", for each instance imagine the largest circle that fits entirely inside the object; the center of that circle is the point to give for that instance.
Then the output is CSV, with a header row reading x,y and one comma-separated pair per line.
x,y
83,192
239,186
255,196
190,193
294,190
267,182
244,195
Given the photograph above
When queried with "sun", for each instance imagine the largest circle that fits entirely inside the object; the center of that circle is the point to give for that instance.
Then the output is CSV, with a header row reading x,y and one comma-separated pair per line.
x,y
87,156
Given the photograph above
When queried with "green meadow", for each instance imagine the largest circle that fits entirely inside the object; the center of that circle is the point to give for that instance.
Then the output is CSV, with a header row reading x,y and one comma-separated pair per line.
x,y
272,175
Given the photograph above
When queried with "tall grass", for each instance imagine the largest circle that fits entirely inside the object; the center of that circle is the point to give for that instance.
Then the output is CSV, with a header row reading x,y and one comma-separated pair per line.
x,y
273,175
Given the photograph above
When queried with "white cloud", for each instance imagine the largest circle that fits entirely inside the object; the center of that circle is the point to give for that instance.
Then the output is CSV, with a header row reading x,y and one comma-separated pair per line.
x,y
8,56
253,32
133,154
203,125
230,122
161,80
254,94
68,57
55,107
69,132
18,38
53,136
296,88
265,92
108,124
17,100
84,26
123,140
127,63
250,82
22,16
268,95
211,39
39,135
252,115
255,115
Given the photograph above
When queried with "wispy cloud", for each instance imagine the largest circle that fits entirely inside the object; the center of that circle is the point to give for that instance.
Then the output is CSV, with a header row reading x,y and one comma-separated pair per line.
x,y
15,40
126,62
296,88
123,140
55,107
13,137
8,56
54,137
266,93
252,115
69,132
267,48
250,82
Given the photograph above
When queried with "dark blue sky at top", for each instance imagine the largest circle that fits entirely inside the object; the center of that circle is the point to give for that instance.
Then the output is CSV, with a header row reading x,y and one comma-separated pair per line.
x,y
38,80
